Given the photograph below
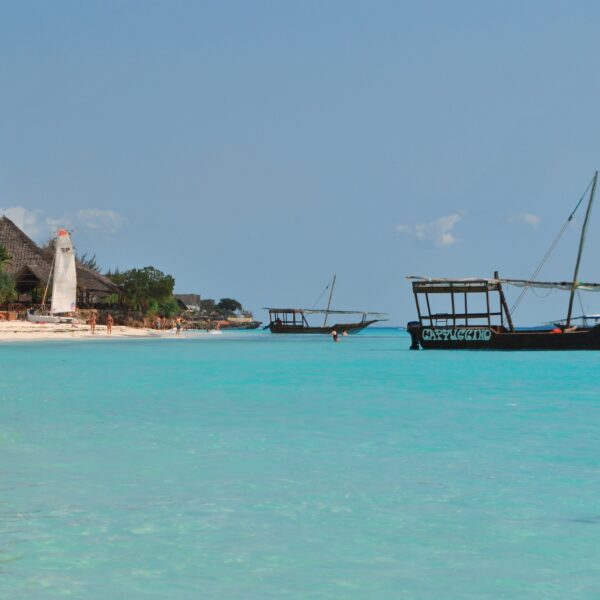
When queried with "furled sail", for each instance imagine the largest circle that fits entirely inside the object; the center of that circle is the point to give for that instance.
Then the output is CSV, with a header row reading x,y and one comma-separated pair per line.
x,y
555,285
64,276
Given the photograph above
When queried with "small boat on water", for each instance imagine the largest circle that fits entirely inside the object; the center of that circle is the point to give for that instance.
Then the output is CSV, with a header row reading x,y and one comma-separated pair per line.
x,y
296,320
580,321
477,316
64,284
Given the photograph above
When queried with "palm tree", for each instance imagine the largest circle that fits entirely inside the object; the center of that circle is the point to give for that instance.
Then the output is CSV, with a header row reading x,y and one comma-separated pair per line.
x,y
8,291
5,257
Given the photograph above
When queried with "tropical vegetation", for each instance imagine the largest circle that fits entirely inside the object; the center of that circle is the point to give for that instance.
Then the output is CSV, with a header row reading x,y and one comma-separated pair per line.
x,y
8,290
147,290
89,262
225,307
5,257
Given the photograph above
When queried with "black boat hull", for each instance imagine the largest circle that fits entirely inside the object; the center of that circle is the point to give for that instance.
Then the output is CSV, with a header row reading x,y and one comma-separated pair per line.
x,y
484,338
339,327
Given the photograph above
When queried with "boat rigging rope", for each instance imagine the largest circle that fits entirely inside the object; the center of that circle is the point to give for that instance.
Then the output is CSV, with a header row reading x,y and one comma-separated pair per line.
x,y
322,294
48,282
550,249
541,294
578,294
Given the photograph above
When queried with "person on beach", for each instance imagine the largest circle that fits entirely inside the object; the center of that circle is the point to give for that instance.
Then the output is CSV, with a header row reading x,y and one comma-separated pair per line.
x,y
334,335
178,325
92,322
109,323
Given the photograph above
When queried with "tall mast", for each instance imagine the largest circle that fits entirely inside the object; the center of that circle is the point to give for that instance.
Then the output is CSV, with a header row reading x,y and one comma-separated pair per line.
x,y
329,301
580,251
49,275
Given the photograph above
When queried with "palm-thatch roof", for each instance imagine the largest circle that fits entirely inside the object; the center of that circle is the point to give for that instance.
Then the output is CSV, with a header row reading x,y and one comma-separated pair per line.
x,y
31,264
187,301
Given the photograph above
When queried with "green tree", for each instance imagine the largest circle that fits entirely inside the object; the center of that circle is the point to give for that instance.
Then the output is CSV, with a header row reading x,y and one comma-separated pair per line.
x,y
207,306
228,306
5,257
8,290
146,287
89,262
169,308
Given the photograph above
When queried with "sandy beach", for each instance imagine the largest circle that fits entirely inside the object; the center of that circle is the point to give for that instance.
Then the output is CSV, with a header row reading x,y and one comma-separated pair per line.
x,y
21,331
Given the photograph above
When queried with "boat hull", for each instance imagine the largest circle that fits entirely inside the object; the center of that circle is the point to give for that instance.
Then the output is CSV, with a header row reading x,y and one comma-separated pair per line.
x,y
339,327
34,318
484,338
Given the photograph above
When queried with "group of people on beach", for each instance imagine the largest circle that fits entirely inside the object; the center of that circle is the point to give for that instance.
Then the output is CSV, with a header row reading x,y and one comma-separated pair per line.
x,y
93,320
162,323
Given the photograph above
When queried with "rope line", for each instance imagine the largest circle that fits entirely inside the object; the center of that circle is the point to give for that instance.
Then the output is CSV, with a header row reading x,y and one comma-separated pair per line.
x,y
322,294
553,245
578,294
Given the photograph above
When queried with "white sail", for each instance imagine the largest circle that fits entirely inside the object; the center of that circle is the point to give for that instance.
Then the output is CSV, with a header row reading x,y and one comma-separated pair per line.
x,y
64,275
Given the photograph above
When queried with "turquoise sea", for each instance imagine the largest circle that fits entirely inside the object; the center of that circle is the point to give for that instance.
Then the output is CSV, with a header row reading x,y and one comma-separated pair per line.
x,y
255,466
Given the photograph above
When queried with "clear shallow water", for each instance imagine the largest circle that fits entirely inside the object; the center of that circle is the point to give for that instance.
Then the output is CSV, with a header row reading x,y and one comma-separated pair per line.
x,y
257,466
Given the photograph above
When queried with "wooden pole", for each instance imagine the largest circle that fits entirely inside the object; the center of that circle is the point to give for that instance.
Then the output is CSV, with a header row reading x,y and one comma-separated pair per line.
x,y
580,250
49,276
329,302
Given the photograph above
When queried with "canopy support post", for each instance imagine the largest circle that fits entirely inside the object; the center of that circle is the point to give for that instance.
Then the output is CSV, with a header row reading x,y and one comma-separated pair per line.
x,y
503,303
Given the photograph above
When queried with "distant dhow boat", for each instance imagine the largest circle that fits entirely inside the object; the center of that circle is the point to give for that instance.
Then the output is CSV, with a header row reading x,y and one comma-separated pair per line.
x,y
296,320
477,316
64,284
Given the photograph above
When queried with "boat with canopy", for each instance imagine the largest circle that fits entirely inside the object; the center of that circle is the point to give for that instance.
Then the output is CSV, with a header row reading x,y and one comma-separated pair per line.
x,y
63,274
298,320
475,314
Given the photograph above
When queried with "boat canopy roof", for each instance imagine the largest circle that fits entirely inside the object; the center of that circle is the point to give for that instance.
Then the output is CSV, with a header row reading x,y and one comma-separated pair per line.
x,y
473,284
430,285
322,311
556,285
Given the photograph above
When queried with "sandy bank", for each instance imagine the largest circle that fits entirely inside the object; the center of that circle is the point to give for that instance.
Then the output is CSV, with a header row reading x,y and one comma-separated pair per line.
x,y
20,331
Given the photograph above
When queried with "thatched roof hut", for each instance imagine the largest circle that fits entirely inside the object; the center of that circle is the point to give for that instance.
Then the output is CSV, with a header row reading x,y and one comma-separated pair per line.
x,y
30,265
188,301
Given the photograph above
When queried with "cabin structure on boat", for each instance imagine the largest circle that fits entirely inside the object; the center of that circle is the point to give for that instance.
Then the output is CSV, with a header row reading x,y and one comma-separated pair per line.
x,y
470,302
31,266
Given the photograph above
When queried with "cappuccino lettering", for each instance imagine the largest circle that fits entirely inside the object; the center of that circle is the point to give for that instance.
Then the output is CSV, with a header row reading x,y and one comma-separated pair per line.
x,y
456,335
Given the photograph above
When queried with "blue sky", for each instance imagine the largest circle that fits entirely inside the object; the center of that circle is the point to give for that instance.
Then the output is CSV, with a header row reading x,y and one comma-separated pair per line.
x,y
252,149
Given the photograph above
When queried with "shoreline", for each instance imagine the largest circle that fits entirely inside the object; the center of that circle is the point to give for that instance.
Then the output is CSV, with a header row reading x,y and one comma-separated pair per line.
x,y
24,331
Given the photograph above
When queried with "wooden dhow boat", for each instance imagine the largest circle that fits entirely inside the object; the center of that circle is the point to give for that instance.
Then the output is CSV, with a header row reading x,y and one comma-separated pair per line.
x,y
296,320
477,316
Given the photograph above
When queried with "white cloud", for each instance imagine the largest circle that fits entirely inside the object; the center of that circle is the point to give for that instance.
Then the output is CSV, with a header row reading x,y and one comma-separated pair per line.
x,y
440,231
105,221
526,219
55,222
27,220
36,224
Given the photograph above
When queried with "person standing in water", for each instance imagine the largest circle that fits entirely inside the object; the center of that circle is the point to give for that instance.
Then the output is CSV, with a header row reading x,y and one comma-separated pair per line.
x,y
109,323
334,335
